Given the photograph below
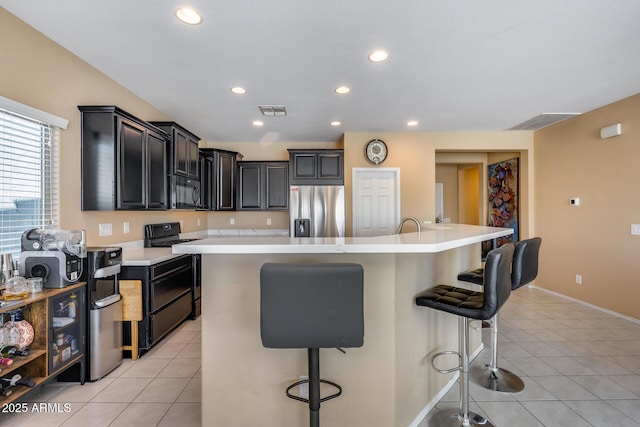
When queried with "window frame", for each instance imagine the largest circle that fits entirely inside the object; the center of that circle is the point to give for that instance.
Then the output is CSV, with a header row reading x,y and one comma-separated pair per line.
x,y
18,117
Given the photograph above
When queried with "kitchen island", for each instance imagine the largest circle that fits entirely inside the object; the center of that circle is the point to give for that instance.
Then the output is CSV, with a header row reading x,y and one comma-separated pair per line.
x,y
387,382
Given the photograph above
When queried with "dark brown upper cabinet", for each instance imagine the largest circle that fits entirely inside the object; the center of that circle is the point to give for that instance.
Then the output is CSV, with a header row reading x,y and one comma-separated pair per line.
x,y
182,154
316,167
222,188
124,162
263,186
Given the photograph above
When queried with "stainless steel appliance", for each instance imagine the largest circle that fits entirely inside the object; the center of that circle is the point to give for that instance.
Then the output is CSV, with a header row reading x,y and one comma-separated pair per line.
x,y
316,211
54,255
104,345
185,193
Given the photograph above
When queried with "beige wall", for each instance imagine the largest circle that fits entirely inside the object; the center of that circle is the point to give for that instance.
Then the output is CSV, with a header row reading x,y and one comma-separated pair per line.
x,y
415,154
37,72
594,239
469,197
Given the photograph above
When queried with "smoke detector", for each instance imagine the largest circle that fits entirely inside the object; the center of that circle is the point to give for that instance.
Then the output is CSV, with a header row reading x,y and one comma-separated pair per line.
x,y
543,120
273,110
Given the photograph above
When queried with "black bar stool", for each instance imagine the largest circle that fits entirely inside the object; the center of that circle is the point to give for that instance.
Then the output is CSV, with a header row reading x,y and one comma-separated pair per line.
x,y
312,306
469,305
523,271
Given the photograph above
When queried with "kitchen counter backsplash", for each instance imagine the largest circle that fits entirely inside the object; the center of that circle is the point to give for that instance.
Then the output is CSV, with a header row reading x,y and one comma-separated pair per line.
x,y
267,232
135,254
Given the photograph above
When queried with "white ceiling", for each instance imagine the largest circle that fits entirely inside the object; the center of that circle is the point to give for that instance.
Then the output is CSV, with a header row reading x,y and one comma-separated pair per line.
x,y
454,65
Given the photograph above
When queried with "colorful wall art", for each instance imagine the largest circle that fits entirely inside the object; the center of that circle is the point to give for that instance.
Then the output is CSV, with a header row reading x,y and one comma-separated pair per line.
x,y
503,198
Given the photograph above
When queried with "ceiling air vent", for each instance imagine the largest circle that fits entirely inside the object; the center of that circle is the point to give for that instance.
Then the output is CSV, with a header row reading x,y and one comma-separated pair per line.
x,y
543,120
273,110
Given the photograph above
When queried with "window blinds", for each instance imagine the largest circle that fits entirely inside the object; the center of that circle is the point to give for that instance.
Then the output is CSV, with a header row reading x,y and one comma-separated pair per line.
x,y
29,194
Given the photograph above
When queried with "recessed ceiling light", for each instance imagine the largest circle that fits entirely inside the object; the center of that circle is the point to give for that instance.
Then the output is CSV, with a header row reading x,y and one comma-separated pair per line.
x,y
257,123
412,123
378,56
342,90
335,123
238,90
188,16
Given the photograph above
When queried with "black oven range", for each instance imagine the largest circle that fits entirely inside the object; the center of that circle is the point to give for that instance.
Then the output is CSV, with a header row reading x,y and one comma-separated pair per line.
x,y
163,235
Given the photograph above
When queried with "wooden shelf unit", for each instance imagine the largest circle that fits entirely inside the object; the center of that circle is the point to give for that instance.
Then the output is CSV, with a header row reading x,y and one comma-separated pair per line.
x,y
35,309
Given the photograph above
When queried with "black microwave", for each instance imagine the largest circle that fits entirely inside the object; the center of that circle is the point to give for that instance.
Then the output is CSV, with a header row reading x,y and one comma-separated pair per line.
x,y
185,193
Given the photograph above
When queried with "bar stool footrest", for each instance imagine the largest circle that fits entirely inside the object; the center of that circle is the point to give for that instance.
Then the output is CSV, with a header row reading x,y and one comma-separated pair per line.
x,y
444,353
323,399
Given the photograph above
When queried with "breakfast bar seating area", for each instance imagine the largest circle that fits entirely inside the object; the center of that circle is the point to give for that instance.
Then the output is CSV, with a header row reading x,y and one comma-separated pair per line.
x,y
312,306
586,369
387,381
467,305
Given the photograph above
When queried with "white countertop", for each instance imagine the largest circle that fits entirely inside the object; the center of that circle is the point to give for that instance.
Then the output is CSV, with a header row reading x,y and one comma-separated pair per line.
x,y
134,253
145,256
433,238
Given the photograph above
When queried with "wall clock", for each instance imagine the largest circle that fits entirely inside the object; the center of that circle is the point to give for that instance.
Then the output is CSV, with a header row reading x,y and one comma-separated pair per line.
x,y
376,151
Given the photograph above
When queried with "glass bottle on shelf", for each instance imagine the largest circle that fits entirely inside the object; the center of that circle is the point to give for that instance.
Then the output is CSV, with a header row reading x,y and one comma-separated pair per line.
x,y
11,332
1,329
71,306
16,287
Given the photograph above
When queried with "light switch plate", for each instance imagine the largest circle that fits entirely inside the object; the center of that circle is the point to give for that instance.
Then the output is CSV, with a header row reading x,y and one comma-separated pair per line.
x,y
635,229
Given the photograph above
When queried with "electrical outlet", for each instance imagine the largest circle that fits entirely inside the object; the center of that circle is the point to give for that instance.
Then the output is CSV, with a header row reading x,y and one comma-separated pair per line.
x,y
268,221
578,279
635,229
125,228
105,230
303,389
232,221
198,222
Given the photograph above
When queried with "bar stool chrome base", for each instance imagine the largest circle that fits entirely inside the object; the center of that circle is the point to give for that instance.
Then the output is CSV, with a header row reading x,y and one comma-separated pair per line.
x,y
451,418
499,380
491,376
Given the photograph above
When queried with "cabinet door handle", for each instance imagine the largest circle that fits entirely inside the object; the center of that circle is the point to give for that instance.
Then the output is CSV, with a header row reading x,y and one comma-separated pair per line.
x,y
107,300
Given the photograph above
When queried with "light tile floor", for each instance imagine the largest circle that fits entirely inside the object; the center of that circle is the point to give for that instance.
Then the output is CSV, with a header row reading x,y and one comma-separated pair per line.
x,y
581,367
160,389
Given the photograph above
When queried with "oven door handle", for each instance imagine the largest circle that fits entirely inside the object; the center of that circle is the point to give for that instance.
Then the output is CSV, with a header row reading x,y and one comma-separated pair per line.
x,y
111,299
110,270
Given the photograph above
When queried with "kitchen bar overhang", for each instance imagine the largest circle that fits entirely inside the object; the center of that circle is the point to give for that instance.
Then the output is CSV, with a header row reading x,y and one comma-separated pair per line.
x,y
387,382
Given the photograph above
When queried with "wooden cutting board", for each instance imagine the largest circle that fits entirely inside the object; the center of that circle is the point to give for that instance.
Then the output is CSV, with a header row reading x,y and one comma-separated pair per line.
x,y
131,291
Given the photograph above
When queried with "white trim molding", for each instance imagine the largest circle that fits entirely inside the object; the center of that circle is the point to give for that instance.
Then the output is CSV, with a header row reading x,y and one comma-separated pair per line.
x,y
33,113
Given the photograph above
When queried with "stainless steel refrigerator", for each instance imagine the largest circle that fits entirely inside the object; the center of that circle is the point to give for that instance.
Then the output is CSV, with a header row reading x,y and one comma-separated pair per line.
x,y
316,211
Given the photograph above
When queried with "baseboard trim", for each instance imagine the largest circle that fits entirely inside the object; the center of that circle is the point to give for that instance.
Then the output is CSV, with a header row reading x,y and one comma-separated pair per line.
x,y
595,307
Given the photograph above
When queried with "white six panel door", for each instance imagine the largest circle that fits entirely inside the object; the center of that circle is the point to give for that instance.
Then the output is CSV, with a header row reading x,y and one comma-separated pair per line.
x,y
376,201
